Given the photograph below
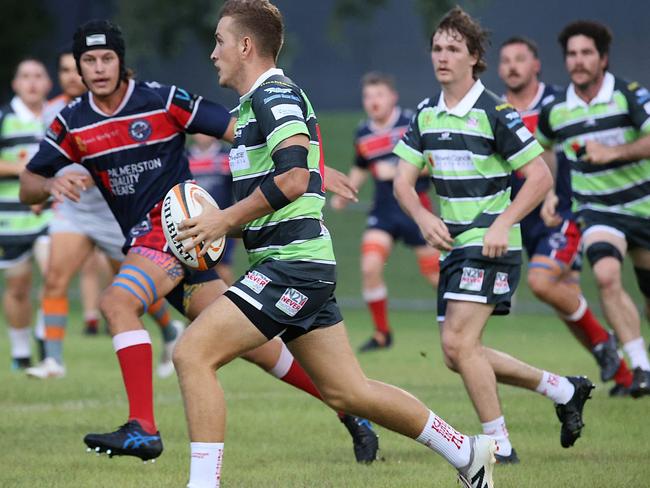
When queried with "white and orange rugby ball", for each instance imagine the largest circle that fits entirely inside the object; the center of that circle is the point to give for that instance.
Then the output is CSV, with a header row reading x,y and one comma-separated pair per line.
x,y
179,204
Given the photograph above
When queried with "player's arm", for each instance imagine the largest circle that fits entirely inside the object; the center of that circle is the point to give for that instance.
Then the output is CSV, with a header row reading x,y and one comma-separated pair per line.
x,y
433,229
548,211
340,184
356,179
597,153
289,183
522,152
38,181
638,102
538,181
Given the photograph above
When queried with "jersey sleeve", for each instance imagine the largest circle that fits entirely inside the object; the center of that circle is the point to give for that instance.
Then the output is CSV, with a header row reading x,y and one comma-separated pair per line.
x,y
57,150
409,148
638,100
544,133
280,111
512,139
359,160
192,113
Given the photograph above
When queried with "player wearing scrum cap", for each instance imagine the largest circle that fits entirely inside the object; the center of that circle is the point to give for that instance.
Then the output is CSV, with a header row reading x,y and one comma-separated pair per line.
x,y
130,136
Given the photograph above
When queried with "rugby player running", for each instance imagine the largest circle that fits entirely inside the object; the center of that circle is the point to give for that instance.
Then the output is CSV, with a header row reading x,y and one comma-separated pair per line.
x,y
603,125
130,136
472,142
277,179
554,252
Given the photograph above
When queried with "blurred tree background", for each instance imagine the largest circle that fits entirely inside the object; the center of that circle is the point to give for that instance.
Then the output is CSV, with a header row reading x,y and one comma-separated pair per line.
x,y
157,29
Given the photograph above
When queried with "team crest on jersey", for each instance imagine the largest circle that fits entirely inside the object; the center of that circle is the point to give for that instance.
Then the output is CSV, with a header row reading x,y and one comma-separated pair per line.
x,y
472,279
445,136
291,301
472,123
256,281
501,285
140,130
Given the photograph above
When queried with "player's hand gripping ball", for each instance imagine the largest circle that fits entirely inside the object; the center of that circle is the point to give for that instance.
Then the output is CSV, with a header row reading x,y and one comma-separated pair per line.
x,y
179,204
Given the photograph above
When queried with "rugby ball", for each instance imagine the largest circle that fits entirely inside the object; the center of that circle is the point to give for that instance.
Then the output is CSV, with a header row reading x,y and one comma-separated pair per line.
x,y
179,204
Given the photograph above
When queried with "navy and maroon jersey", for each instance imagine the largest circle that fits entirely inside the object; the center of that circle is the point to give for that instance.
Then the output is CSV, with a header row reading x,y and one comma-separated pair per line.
x,y
530,116
375,146
136,154
211,170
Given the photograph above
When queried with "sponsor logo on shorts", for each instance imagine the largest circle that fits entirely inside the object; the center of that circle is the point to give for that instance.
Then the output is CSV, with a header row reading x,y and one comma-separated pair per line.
x,y
140,130
256,281
291,301
557,240
501,285
143,228
472,279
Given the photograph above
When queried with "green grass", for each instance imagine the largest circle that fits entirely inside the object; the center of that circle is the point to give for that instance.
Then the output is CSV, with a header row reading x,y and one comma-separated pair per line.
x,y
278,437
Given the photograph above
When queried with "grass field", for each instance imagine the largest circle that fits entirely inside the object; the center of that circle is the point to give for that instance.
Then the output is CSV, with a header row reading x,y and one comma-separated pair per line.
x,y
278,437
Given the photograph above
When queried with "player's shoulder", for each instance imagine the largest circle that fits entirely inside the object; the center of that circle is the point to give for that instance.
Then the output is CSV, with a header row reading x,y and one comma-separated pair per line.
x,y
277,89
76,109
494,106
155,92
633,90
428,102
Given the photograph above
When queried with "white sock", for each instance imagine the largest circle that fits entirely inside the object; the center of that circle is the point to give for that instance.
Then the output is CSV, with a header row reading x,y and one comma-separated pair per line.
x,y
375,294
39,328
635,349
497,430
442,438
284,363
20,340
557,388
205,464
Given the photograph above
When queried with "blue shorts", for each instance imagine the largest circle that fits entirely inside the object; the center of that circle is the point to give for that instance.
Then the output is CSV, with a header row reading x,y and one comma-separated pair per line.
x,y
560,243
400,226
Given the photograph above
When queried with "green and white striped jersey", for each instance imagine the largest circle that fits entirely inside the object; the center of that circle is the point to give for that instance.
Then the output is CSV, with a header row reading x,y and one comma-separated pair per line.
x,y
272,111
20,134
471,149
619,114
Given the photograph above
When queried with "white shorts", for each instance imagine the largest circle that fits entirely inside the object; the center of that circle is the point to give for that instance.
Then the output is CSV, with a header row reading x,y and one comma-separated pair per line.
x,y
100,227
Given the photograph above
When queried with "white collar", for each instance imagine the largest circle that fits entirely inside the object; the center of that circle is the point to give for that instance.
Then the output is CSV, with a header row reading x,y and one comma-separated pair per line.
x,y
263,77
604,95
22,111
122,104
465,105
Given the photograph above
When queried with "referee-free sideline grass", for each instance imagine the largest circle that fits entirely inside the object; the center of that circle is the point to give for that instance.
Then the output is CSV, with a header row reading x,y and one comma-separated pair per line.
x,y
279,437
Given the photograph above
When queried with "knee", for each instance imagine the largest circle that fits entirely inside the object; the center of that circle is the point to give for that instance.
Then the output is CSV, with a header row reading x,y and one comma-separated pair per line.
x,y
115,308
56,284
608,276
539,284
371,267
18,291
452,349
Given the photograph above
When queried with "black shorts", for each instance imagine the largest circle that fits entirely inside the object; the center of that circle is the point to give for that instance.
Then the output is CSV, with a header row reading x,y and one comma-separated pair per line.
x,y
178,297
395,222
490,281
287,298
635,230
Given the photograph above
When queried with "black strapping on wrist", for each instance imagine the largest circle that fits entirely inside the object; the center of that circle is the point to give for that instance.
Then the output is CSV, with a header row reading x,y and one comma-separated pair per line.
x,y
290,157
273,194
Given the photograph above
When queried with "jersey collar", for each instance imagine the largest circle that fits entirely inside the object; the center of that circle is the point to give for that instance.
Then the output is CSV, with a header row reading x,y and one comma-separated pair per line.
x,y
22,111
604,95
466,104
123,103
263,77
